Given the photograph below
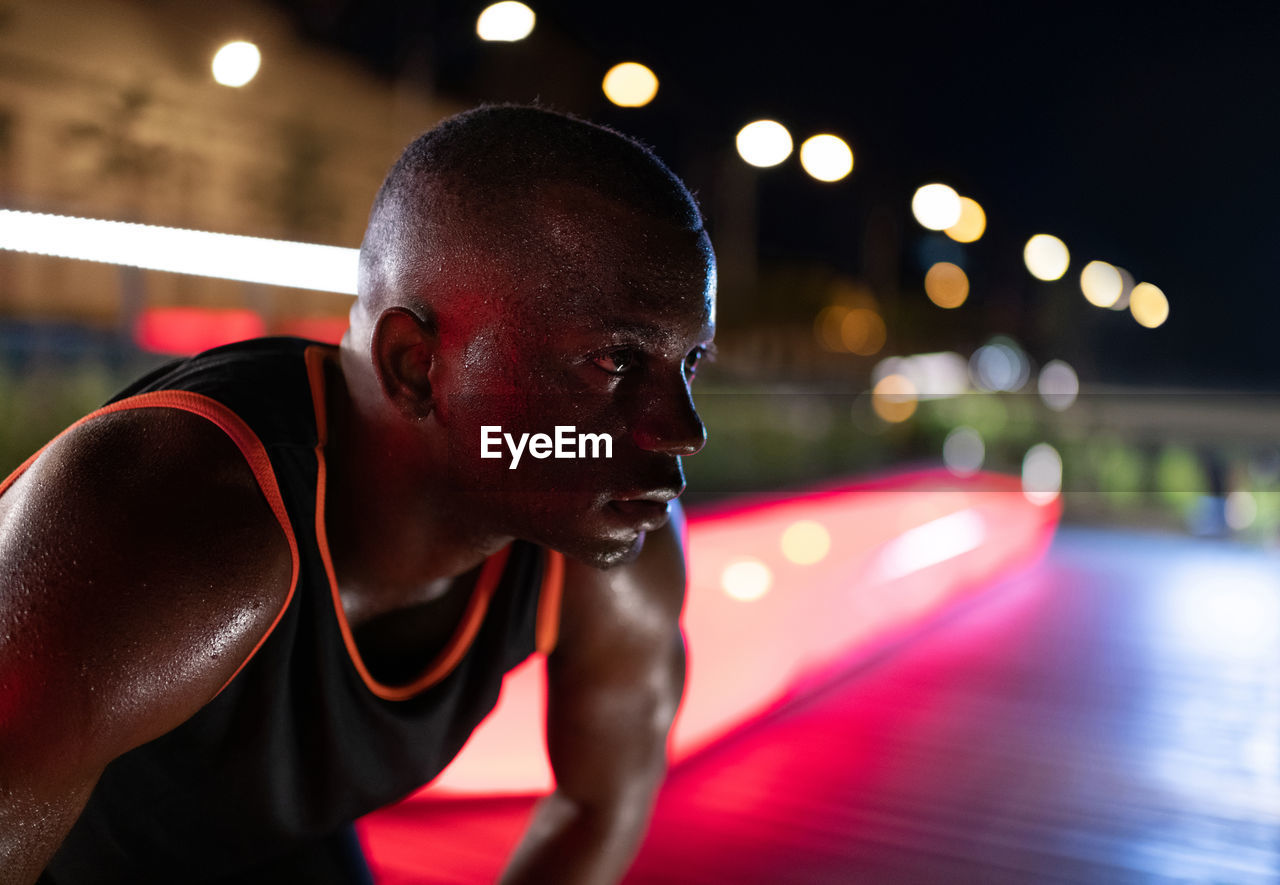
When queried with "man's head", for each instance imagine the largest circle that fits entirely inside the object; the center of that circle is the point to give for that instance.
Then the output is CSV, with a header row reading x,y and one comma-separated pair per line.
x,y
528,270
469,200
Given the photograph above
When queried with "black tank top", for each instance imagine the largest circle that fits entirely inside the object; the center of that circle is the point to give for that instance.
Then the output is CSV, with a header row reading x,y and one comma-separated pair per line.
x,y
303,739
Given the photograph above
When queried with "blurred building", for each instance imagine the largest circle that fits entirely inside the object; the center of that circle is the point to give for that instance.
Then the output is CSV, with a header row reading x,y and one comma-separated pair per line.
x,y
109,109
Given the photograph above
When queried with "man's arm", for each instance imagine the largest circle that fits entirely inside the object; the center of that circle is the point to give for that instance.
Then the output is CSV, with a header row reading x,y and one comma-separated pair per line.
x,y
614,683
139,566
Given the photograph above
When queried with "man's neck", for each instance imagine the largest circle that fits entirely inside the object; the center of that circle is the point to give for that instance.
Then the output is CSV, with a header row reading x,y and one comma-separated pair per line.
x,y
394,538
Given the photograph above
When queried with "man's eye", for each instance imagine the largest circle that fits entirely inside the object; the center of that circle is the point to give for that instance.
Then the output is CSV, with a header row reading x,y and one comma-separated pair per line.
x,y
617,362
692,360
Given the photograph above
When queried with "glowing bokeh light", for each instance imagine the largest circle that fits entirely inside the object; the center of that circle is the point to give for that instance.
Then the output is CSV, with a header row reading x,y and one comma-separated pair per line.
x,y
764,143
946,284
225,256
1126,289
936,206
972,223
1148,305
746,579
827,327
1101,283
903,545
933,375
1046,257
933,542
805,542
894,398
963,451
999,365
826,157
630,85
862,331
1241,510
236,63
505,22
1042,474
1058,385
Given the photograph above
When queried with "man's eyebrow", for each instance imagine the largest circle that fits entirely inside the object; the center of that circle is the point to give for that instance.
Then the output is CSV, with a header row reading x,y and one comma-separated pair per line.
x,y
634,331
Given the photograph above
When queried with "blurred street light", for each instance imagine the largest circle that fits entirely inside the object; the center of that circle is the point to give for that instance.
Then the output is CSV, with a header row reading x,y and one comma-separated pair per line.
x,y
1042,474
894,398
862,331
1046,257
805,542
236,63
1148,305
1000,364
936,206
946,284
1127,283
1058,385
971,224
630,85
963,451
746,579
1241,510
764,143
826,157
938,375
1101,283
505,22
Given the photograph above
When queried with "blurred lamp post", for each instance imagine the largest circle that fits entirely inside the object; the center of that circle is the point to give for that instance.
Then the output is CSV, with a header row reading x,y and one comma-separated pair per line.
x,y
505,22
630,85
236,63
764,143
1046,257
936,206
826,157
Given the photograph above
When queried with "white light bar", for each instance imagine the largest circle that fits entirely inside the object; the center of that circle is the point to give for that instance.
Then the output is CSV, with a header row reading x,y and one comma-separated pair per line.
x,y
225,256
936,541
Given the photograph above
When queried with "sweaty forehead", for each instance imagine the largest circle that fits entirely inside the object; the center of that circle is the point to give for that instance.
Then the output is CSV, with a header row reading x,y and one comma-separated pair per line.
x,y
586,250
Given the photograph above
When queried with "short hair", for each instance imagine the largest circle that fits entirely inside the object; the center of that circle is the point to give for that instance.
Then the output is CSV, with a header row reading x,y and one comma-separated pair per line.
x,y
469,187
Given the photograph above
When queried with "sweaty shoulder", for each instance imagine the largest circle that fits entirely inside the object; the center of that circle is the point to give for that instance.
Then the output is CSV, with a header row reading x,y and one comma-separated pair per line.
x,y
140,565
635,603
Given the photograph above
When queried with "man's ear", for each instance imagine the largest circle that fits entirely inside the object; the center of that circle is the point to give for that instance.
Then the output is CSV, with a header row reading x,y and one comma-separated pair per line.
x,y
404,349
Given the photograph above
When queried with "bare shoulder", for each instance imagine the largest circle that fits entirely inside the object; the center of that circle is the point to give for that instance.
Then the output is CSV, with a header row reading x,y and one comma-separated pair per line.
x,y
638,602
140,564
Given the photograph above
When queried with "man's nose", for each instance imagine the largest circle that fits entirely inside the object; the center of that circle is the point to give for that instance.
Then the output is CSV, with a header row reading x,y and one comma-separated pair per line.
x,y
668,422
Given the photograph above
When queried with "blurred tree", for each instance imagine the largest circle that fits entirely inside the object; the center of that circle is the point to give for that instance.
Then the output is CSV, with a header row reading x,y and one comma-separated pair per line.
x,y
121,162
298,198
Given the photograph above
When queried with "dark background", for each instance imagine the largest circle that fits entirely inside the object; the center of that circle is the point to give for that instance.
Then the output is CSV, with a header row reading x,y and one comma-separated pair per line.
x,y
1141,134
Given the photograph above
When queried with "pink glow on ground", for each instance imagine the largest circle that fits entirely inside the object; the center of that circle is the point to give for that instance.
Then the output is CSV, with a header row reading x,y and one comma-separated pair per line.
x,y
901,548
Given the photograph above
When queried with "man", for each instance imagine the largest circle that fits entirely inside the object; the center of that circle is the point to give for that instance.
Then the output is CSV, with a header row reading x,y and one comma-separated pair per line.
x,y
274,587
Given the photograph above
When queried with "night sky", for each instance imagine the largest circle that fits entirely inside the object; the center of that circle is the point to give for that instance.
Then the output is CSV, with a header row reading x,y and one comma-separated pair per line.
x,y
1141,134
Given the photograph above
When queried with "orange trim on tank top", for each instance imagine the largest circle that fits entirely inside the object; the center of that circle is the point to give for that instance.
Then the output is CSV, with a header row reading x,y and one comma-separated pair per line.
x,y
477,606
245,440
548,629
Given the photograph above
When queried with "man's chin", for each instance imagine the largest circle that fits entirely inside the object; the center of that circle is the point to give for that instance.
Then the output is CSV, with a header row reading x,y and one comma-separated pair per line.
x,y
604,555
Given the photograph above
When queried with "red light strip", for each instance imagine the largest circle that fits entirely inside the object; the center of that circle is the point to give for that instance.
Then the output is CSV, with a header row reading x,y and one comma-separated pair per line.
x,y
902,546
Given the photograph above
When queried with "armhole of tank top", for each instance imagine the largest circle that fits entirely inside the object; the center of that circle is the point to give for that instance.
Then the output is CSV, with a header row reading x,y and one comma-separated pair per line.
x,y
549,597
255,454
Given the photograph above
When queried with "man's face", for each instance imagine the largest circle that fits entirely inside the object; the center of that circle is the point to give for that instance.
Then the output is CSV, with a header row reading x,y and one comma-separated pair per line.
x,y
601,332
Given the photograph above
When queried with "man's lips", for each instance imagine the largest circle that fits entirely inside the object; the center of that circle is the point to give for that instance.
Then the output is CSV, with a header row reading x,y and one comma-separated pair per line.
x,y
644,514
